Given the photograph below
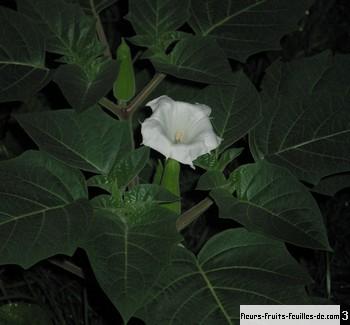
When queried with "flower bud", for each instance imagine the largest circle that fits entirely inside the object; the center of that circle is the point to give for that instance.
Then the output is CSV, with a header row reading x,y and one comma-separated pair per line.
x,y
124,86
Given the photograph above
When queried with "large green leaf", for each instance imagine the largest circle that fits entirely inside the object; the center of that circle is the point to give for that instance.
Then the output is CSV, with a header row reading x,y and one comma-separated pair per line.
x,y
306,120
43,209
212,162
144,194
91,6
178,89
322,73
245,27
270,200
234,268
90,141
123,171
128,247
235,109
22,57
20,313
69,32
332,184
82,89
154,20
211,179
195,58
65,27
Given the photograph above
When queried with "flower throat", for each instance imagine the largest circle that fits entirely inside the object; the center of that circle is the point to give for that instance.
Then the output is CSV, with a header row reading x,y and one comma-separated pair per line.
x,y
179,136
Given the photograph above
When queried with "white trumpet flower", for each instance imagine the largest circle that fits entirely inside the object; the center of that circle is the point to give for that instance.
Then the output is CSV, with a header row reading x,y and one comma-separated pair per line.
x,y
179,130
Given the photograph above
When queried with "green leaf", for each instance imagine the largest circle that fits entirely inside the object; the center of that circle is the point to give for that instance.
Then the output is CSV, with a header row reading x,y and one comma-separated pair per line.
x,y
306,125
211,179
245,27
128,250
235,109
227,157
20,313
83,90
66,29
233,268
149,193
124,169
136,199
155,21
44,209
186,61
90,6
331,185
90,141
270,200
162,45
335,78
211,161
23,70
180,90
207,161
101,181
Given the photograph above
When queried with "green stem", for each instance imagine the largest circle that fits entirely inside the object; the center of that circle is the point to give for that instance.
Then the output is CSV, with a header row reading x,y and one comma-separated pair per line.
x,y
171,182
112,107
67,266
129,110
145,92
135,180
100,31
192,214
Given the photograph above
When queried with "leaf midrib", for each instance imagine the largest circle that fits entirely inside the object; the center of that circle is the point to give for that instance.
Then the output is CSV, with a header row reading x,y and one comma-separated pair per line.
x,y
15,219
213,293
251,204
313,140
223,21
84,159
31,65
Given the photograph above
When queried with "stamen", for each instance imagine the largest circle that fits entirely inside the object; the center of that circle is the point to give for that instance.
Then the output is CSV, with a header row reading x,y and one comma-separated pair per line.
x,y
179,136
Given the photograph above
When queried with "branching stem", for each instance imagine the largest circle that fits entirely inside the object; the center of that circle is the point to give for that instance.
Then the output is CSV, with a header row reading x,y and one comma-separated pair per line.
x,y
112,107
145,92
125,113
100,31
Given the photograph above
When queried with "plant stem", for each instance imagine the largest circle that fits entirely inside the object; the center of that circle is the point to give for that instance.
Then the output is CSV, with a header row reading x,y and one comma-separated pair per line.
x,y
136,57
192,214
145,92
112,107
171,182
68,266
126,113
100,31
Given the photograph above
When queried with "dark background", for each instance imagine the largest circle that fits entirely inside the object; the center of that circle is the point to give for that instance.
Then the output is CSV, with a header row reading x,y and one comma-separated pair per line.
x,y
73,296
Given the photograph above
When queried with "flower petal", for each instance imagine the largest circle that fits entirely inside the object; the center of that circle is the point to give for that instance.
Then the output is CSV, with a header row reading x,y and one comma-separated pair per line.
x,y
153,136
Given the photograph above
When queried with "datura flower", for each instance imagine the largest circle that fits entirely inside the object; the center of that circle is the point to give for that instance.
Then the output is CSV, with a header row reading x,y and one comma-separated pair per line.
x,y
179,130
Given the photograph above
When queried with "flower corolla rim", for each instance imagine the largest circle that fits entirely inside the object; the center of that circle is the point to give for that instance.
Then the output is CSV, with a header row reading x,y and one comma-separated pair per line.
x,y
179,130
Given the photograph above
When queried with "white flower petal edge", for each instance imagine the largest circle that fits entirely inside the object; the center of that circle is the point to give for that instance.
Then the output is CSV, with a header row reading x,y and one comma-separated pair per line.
x,y
179,130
